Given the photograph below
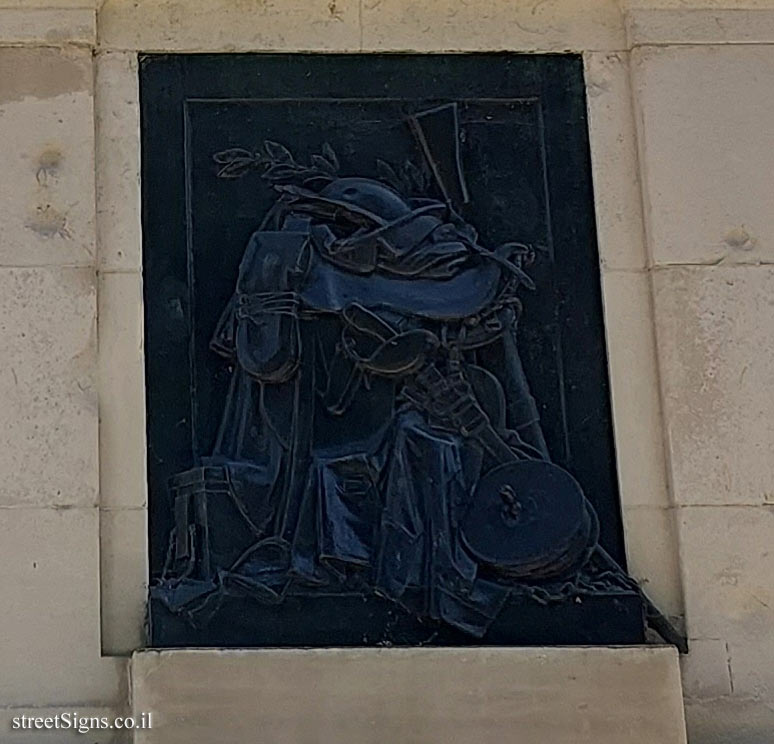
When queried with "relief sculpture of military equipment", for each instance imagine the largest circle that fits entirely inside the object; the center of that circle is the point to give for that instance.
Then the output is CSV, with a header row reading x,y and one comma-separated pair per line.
x,y
379,436
377,398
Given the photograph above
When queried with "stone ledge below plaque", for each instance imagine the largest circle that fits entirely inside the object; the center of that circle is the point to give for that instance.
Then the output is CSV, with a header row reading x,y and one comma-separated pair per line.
x,y
562,695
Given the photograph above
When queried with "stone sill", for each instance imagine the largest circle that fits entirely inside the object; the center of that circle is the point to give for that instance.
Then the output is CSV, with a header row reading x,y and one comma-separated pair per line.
x,y
570,695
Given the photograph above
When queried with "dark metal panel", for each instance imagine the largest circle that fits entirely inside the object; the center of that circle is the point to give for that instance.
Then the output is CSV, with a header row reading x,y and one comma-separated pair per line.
x,y
523,154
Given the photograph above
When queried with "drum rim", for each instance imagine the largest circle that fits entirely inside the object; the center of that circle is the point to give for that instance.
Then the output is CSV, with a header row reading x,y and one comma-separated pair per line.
x,y
567,552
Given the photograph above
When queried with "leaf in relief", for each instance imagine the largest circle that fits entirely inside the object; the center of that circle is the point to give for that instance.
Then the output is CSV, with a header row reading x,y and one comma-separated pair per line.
x,y
413,176
235,168
277,152
322,164
330,155
387,174
235,153
281,171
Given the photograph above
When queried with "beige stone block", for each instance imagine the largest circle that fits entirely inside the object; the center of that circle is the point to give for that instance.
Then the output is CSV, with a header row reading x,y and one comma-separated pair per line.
x,y
50,612
47,180
229,25
730,721
634,386
652,556
414,696
117,112
705,4
49,26
49,3
124,579
706,669
728,564
708,161
752,663
68,725
491,25
122,477
613,140
48,441
717,369
701,25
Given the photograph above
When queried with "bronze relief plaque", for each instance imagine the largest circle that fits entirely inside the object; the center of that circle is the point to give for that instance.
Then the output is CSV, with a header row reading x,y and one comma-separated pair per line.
x,y
378,407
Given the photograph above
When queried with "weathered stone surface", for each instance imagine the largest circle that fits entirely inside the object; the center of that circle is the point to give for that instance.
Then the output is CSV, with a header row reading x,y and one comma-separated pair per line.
x,y
709,164
229,25
650,536
634,385
48,442
613,141
30,4
47,180
701,25
706,669
50,652
652,555
717,368
122,477
359,696
730,721
48,26
630,5
117,112
437,25
728,562
752,661
123,579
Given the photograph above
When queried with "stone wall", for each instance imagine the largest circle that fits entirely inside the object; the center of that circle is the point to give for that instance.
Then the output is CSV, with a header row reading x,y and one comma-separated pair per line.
x,y
708,184
50,648
680,111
